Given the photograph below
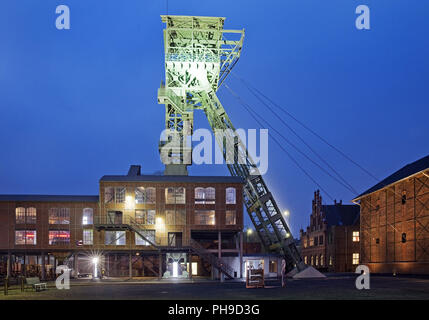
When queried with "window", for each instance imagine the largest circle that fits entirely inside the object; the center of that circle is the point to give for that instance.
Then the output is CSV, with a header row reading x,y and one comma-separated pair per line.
x,y
230,195
88,237
120,194
59,216
150,195
87,216
331,261
148,234
377,241
322,260
31,215
304,243
317,260
205,195
112,238
109,195
404,199
355,236
59,237
312,260
311,242
25,215
140,195
305,259
320,240
20,215
175,195
205,217
169,217
145,195
145,216
23,237
355,258
316,241
273,266
230,217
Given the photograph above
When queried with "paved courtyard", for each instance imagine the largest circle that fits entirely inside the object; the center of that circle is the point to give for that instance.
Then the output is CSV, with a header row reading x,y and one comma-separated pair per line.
x,y
333,287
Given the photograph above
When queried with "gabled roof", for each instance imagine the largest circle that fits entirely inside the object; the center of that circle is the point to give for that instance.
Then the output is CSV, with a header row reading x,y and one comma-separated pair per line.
x,y
340,214
46,198
409,170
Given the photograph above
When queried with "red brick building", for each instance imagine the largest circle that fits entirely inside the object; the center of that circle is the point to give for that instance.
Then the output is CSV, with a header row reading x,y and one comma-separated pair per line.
x,y
331,241
139,225
395,221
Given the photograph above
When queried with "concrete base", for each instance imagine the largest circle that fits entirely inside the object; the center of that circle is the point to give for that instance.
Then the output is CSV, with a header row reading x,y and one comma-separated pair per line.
x,y
307,273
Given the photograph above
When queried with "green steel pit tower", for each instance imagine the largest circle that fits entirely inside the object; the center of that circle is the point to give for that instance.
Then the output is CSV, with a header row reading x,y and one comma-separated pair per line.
x,y
199,54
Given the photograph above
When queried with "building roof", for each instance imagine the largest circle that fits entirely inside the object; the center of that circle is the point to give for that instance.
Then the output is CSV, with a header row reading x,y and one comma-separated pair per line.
x,y
171,178
340,214
47,198
409,170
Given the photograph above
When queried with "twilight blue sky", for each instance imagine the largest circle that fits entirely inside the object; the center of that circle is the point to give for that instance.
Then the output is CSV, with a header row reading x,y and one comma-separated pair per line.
x,y
80,103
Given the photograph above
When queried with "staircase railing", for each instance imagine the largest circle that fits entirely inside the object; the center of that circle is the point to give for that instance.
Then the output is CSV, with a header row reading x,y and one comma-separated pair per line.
x,y
212,259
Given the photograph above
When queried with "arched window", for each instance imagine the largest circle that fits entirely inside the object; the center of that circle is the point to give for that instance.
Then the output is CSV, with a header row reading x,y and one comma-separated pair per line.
x,y
230,195
31,215
205,195
20,215
87,216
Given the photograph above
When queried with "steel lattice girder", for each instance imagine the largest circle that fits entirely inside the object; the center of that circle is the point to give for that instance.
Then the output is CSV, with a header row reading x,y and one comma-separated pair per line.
x,y
198,58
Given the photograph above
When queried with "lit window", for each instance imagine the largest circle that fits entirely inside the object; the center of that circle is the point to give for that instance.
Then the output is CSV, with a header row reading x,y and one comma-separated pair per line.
x,y
120,194
205,217
205,195
355,236
317,260
175,195
30,215
305,259
230,195
230,217
20,215
330,260
312,260
140,195
87,216
88,237
109,195
23,215
59,216
117,238
25,237
322,260
148,234
311,241
355,258
59,237
145,216
145,195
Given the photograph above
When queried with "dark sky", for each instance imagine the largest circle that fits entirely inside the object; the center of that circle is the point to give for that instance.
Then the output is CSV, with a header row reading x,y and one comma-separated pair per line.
x,y
80,103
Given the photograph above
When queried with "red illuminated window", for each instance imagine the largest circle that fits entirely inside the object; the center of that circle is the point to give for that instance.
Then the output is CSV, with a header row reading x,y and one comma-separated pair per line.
x,y
59,237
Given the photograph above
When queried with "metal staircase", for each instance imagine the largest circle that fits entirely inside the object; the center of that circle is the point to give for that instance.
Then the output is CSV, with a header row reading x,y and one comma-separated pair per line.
x,y
212,259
